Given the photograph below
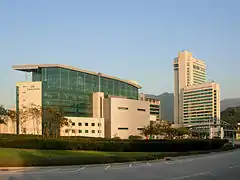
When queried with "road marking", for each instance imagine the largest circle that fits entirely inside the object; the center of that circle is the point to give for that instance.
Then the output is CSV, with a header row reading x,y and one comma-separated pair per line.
x,y
80,169
130,165
119,168
51,170
234,166
189,176
169,162
107,167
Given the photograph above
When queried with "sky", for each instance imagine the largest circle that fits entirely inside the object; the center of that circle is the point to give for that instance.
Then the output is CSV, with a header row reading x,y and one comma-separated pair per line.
x,y
130,39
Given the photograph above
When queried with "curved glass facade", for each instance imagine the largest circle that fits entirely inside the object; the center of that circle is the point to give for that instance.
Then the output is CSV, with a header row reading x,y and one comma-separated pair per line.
x,y
72,90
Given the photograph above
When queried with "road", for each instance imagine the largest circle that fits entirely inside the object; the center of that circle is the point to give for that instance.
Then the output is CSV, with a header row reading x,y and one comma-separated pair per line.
x,y
214,166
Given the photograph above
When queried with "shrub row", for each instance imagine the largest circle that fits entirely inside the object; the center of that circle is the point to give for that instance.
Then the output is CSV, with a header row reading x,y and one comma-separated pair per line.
x,y
112,145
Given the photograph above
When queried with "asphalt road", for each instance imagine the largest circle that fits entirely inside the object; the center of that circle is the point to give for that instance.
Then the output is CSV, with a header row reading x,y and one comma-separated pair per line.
x,y
215,166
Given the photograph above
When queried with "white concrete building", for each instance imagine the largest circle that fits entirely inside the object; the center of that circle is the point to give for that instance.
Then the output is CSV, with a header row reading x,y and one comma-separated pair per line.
x,y
84,126
111,116
29,94
125,117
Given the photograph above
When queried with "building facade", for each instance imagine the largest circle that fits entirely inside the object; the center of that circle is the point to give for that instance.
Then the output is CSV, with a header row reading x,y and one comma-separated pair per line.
x,y
188,71
29,94
155,114
155,110
78,93
84,126
201,104
125,117
71,89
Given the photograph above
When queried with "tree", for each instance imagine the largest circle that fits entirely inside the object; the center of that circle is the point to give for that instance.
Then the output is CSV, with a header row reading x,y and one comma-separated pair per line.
x,y
149,130
22,116
35,112
156,128
180,132
12,115
53,120
3,115
231,115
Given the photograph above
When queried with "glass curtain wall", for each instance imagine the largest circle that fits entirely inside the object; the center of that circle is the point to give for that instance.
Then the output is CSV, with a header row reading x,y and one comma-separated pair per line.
x,y
72,90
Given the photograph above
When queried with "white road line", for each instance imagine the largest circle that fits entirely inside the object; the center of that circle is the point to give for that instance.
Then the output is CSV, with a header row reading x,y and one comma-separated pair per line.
x,y
169,162
107,167
189,176
234,166
130,165
51,170
119,168
80,169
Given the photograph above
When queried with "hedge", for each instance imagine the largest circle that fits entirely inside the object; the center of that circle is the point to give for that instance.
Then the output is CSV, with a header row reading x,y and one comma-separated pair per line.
x,y
113,145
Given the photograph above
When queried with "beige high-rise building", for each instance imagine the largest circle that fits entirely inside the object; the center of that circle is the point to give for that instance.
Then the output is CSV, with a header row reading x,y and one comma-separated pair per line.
x,y
188,71
201,104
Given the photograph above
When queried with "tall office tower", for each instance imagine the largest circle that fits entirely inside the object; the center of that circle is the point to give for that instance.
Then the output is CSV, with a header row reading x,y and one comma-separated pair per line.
x,y
188,71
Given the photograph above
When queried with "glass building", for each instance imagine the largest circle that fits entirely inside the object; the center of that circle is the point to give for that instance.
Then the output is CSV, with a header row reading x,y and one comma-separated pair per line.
x,y
71,89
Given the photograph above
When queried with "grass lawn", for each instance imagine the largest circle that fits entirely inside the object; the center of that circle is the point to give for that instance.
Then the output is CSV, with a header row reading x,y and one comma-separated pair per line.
x,y
10,157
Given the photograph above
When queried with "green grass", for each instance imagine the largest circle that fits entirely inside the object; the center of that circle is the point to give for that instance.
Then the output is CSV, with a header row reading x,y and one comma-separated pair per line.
x,y
10,157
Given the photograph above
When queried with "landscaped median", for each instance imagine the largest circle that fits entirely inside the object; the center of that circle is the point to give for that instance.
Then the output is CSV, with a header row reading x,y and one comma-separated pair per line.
x,y
21,151
10,157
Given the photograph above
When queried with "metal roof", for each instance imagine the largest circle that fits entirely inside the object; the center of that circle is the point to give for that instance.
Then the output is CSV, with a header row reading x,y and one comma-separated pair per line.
x,y
31,67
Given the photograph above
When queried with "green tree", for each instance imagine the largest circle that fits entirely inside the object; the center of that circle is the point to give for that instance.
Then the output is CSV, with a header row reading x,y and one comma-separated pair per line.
x,y
35,112
231,115
149,130
155,128
3,115
180,132
53,120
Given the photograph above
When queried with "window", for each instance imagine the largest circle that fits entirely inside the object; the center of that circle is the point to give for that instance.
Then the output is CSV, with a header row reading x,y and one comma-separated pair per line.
x,y
122,108
139,129
86,124
66,131
86,131
79,131
93,124
122,128
93,131
99,124
73,124
73,131
99,131
79,124
101,101
141,109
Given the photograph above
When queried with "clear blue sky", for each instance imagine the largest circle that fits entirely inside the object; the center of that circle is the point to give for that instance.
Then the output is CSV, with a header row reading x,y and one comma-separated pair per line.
x,y
131,39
